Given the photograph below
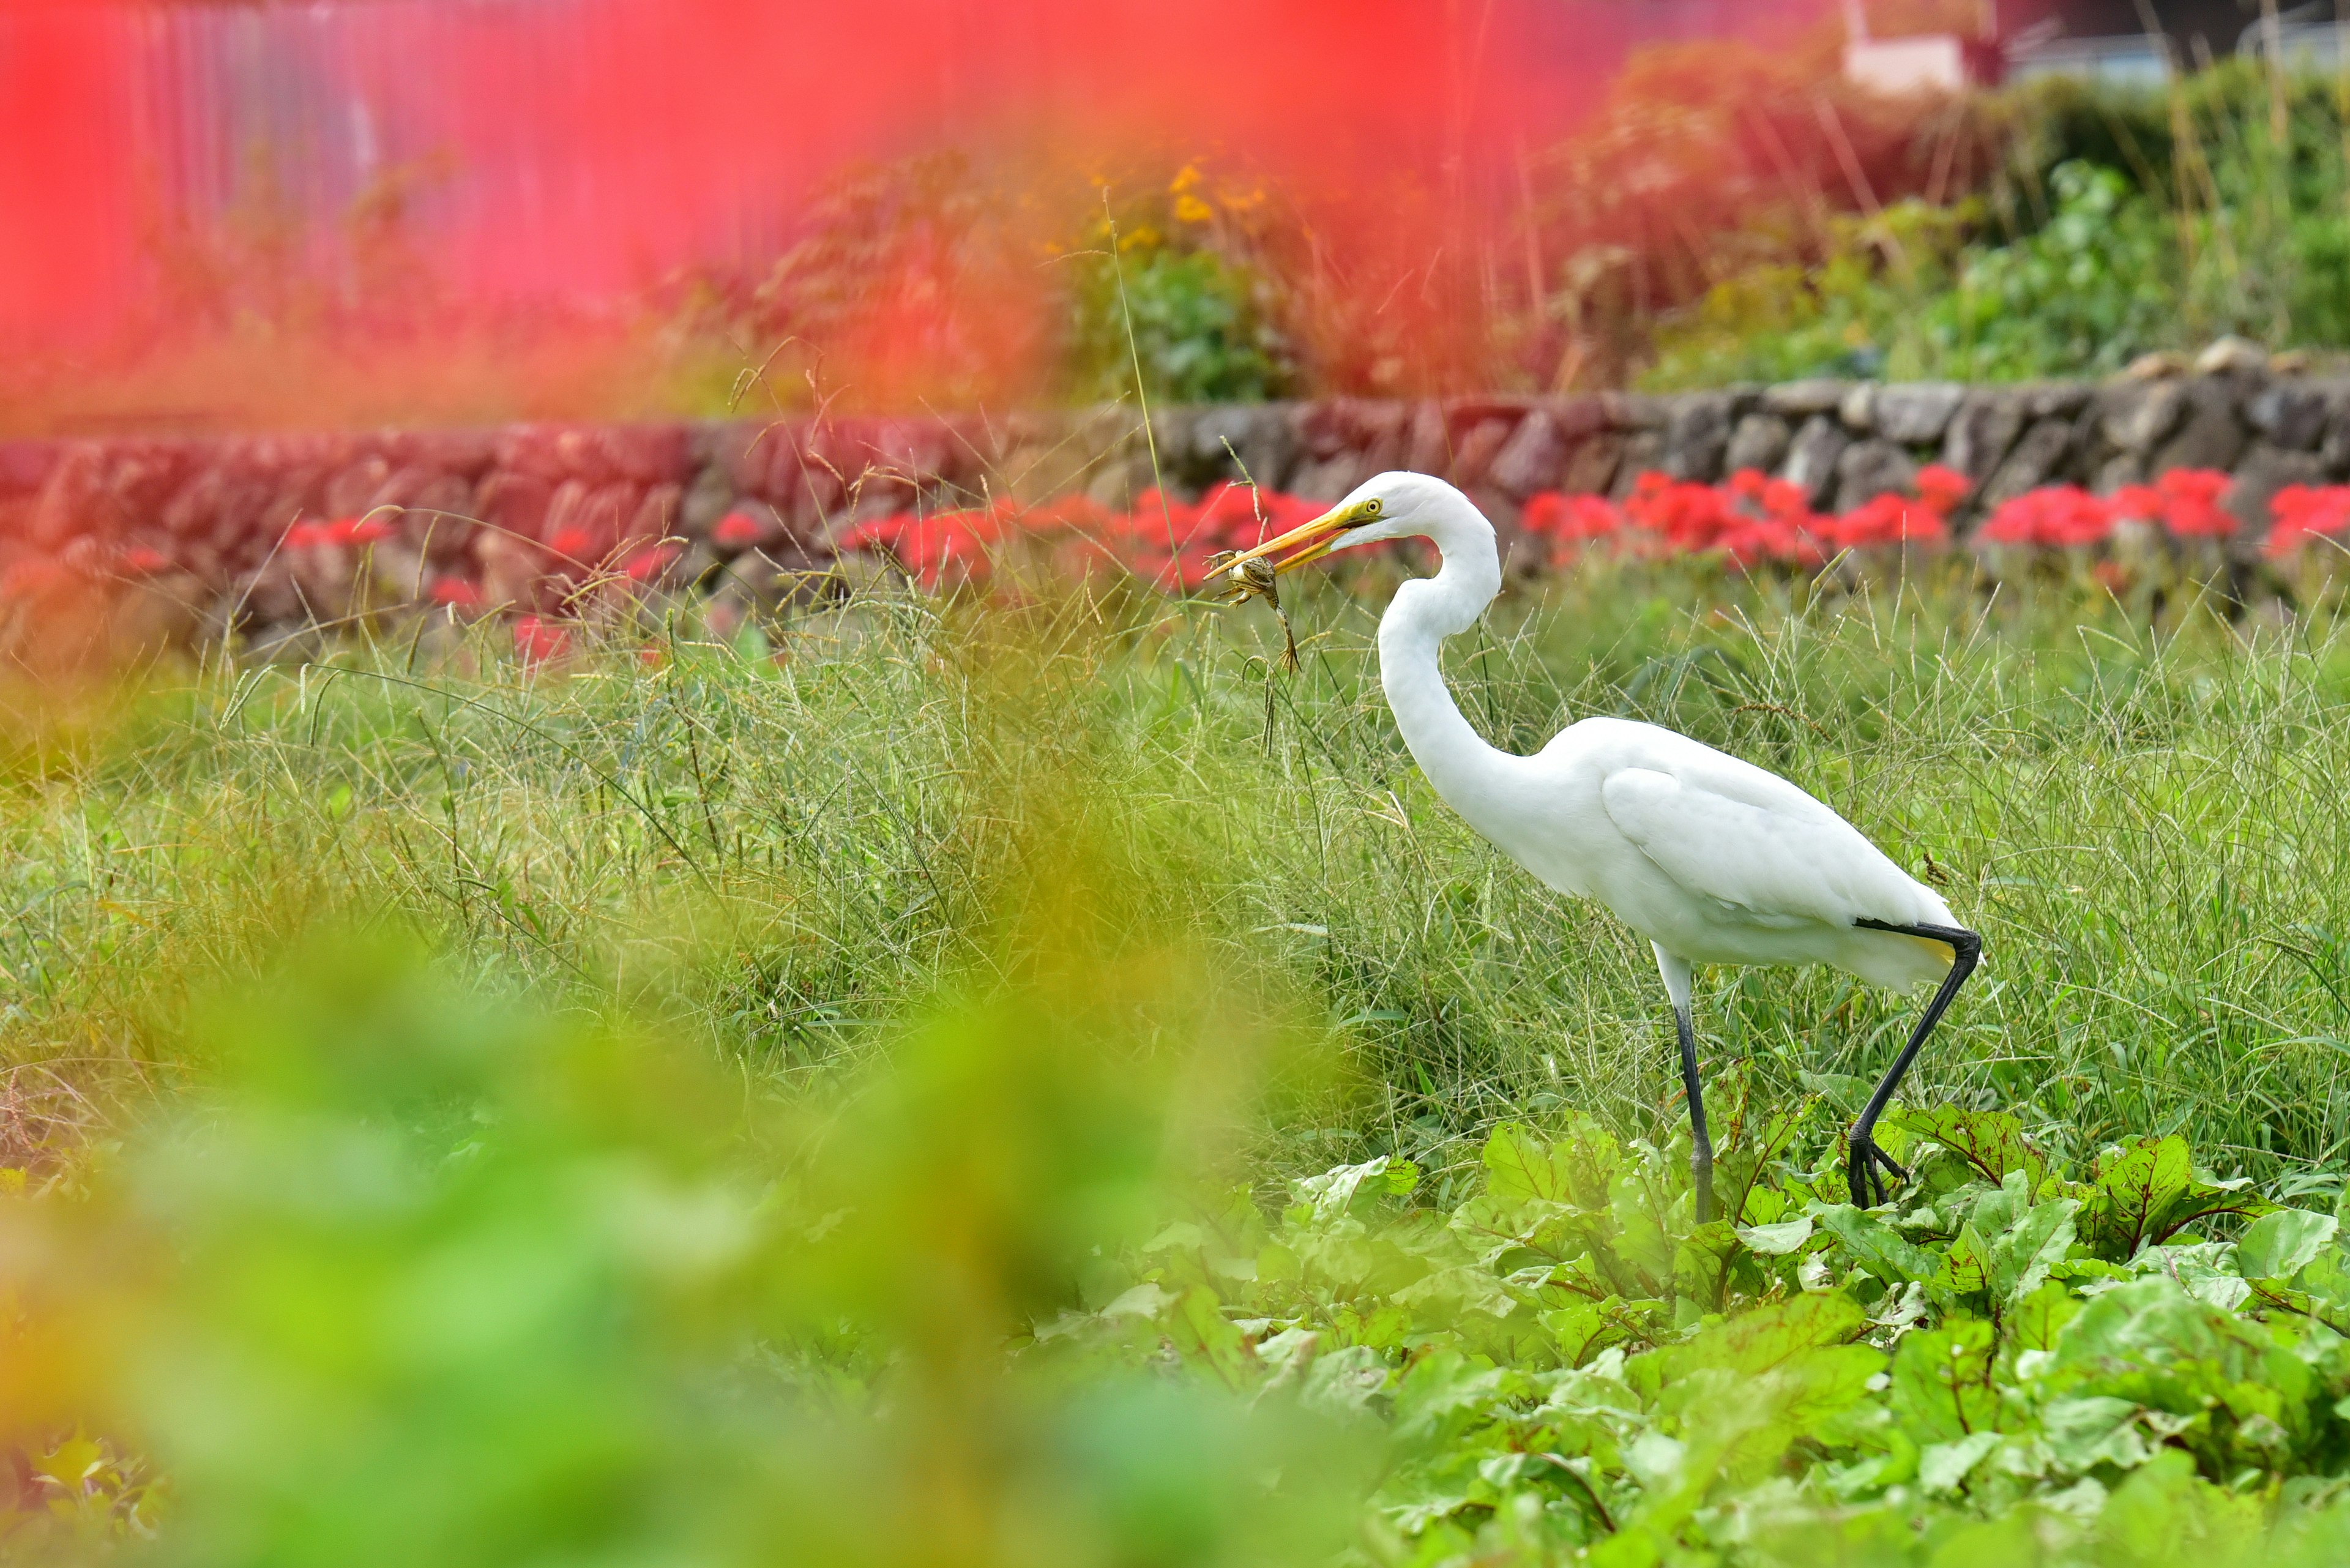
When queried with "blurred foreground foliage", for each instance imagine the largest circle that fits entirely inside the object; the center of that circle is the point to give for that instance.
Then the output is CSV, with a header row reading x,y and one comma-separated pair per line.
x,y
423,1280
416,1277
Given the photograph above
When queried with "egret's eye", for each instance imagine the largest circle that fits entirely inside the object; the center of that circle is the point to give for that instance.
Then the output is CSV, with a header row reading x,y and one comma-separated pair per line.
x,y
1370,508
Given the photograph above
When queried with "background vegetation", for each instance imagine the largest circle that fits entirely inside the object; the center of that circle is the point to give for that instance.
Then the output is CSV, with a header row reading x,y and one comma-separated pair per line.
x,y
1727,213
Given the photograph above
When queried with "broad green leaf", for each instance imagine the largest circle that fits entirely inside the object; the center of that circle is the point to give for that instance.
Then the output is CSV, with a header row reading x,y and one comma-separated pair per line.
x,y
1446,1292
1993,1142
1701,1263
1942,1466
1641,1240
1965,1274
1875,1245
1943,1387
1201,1326
1345,1381
1444,1392
1770,1336
1579,1329
2279,1246
1576,1170
1779,1240
2148,1192
1145,1300
2034,1322
2020,1258
2136,1186
2094,1429
1330,1195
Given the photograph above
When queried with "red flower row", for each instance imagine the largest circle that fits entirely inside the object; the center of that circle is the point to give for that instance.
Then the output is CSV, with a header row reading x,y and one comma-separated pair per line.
x,y
1165,540
1747,519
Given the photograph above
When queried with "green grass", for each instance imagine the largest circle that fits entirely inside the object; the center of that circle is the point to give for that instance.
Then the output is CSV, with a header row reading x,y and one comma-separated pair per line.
x,y
775,852
733,1103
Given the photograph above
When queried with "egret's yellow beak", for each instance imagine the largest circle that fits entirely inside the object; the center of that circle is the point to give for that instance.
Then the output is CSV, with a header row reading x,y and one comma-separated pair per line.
x,y
1310,542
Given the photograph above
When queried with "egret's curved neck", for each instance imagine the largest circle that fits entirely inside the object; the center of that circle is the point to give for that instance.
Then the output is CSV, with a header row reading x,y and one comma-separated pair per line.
x,y
1465,769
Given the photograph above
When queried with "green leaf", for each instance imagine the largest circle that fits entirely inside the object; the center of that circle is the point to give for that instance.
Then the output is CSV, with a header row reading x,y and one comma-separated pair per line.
x,y
1701,1263
1200,1326
1344,1381
2137,1185
1576,1171
2020,1258
1332,1194
1942,1384
1770,1336
1443,1393
1991,1141
2279,1246
1942,1467
1875,1245
1779,1240
1520,1164
2147,1191
2094,1429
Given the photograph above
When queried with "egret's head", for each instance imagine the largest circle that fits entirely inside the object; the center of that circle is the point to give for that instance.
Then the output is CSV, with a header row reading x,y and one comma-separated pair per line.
x,y
1399,505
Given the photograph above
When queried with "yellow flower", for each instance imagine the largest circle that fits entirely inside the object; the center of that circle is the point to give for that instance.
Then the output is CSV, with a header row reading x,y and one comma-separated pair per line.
x,y
1190,209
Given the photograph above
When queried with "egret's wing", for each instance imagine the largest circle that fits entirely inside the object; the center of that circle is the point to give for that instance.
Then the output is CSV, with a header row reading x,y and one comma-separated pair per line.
x,y
1770,858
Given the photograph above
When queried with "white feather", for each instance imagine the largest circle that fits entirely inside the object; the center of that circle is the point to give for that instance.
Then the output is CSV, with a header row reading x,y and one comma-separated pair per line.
x,y
1711,859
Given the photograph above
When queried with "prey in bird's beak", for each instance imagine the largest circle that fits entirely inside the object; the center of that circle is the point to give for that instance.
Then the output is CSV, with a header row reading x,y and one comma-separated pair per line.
x,y
1313,540
1236,581
1251,574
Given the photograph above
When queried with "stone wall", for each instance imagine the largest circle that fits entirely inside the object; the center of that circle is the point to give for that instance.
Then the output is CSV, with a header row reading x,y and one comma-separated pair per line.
x,y
499,512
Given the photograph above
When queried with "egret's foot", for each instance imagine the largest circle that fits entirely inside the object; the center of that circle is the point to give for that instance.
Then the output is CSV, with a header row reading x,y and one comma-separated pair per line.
x,y
1704,1175
1866,1171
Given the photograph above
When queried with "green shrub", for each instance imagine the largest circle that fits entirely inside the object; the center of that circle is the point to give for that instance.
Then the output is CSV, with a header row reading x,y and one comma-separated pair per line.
x,y
1196,327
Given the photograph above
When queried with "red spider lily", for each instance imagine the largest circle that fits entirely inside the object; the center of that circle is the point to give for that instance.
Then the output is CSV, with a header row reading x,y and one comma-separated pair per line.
x,y
2136,503
1749,484
2056,516
2303,512
939,545
456,593
1750,541
1785,500
1571,519
34,577
574,545
143,561
1075,512
1942,489
737,531
2190,502
1686,516
538,640
1161,519
344,531
1184,572
1888,519
653,656
647,565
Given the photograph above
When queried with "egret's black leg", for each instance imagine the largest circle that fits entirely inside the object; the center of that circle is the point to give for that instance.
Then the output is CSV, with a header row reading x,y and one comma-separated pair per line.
x,y
1701,1154
1966,948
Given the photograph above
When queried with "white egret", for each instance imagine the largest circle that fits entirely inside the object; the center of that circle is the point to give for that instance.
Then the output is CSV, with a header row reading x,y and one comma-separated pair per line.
x,y
1714,861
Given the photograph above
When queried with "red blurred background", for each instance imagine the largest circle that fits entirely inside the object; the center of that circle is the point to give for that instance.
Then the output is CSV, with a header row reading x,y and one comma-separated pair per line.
x,y
176,168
